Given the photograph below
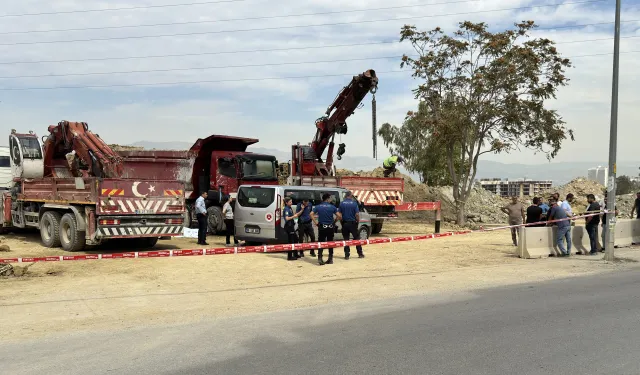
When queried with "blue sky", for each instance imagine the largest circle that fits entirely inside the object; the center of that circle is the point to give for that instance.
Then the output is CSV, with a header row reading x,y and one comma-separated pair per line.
x,y
282,112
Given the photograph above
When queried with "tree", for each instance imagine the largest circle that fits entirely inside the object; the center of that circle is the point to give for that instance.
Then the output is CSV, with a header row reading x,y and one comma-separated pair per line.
x,y
486,93
414,143
624,185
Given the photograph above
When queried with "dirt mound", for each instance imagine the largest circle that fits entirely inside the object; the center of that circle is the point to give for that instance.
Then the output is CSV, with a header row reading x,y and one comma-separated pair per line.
x,y
117,148
579,187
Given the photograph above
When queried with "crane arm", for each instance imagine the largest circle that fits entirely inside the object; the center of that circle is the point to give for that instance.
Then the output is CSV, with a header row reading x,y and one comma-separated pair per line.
x,y
344,105
76,138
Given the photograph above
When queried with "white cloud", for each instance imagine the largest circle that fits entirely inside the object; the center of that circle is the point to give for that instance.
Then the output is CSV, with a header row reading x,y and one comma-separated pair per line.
x,y
281,112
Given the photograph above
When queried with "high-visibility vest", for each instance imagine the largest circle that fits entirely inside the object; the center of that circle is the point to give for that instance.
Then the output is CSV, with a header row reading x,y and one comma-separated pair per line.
x,y
390,162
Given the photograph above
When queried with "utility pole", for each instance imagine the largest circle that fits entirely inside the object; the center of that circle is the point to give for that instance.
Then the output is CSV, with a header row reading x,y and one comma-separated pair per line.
x,y
610,217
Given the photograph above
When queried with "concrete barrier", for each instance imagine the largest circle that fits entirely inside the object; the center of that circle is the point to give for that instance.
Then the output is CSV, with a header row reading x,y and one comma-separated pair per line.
x,y
540,242
627,232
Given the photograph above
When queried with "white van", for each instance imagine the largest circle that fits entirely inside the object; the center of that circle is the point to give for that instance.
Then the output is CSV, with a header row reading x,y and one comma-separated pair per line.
x,y
5,168
258,211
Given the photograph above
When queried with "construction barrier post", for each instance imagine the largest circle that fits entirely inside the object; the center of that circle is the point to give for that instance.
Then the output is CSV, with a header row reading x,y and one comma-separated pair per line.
x,y
437,228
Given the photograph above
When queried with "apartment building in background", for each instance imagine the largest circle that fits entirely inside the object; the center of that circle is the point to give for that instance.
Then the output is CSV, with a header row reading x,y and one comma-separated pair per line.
x,y
598,174
520,187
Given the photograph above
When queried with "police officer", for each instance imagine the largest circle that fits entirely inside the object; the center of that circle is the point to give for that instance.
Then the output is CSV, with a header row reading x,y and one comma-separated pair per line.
x,y
290,226
350,214
305,224
323,216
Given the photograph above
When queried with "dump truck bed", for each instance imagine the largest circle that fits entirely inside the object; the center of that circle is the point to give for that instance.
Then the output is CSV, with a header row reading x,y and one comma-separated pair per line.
x,y
111,196
372,191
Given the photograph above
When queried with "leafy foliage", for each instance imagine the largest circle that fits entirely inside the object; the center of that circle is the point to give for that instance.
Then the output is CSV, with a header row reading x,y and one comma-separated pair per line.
x,y
624,185
413,141
485,92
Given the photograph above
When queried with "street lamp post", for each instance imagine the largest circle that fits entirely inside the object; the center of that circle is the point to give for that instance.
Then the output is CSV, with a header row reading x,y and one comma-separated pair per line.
x,y
610,217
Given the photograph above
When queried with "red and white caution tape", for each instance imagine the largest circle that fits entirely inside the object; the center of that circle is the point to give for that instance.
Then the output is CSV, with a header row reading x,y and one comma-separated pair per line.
x,y
263,248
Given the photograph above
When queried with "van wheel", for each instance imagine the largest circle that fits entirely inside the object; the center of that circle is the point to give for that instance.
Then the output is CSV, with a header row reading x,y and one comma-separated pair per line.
x,y
214,220
376,228
50,229
364,233
70,237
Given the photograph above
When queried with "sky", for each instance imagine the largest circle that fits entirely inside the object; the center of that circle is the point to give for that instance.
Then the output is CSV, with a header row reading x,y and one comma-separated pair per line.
x,y
223,51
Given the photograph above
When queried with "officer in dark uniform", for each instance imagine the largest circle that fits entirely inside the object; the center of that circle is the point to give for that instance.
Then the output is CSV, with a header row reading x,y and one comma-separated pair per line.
x,y
323,216
305,224
350,214
290,227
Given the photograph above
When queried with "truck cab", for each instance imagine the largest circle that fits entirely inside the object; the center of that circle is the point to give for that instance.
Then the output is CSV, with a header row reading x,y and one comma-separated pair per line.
x,y
5,168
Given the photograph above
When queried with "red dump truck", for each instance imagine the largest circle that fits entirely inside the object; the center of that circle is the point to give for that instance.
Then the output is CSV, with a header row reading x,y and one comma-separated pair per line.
x,y
217,164
55,189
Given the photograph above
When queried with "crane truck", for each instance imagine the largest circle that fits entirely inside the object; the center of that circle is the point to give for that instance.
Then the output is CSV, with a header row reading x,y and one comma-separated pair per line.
x,y
71,186
382,197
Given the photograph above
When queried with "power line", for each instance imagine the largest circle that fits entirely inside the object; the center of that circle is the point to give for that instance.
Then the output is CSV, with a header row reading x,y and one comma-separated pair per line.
x,y
294,26
118,9
192,82
249,65
204,67
196,54
230,80
264,50
240,19
221,67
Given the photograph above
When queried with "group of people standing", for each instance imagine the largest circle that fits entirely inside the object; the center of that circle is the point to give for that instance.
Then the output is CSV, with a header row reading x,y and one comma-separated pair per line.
x,y
203,225
325,216
559,213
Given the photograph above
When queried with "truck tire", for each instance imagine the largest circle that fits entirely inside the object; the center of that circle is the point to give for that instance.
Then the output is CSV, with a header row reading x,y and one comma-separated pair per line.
x,y
187,218
50,229
376,228
71,238
364,233
149,242
215,220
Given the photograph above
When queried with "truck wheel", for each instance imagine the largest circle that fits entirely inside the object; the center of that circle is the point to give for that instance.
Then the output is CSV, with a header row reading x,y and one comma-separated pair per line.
x,y
70,237
376,228
215,220
364,233
149,242
187,218
50,229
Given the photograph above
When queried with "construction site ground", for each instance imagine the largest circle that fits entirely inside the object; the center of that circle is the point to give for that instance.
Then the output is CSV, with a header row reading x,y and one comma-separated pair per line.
x,y
59,298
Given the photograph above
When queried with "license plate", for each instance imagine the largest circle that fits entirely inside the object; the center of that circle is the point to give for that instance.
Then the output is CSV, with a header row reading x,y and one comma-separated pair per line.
x,y
144,212
252,230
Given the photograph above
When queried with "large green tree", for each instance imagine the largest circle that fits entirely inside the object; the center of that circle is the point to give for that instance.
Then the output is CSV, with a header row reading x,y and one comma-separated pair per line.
x,y
486,93
413,141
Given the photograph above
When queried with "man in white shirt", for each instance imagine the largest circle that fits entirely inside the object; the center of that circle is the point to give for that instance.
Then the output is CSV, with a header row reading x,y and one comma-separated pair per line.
x,y
227,211
201,213
566,205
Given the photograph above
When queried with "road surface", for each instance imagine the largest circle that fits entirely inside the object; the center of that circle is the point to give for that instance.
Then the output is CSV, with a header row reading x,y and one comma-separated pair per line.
x,y
587,325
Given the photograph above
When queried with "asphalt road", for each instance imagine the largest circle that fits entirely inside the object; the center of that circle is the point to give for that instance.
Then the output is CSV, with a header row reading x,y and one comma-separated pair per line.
x,y
587,325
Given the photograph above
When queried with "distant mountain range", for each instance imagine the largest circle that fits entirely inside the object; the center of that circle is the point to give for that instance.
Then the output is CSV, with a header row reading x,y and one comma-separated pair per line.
x,y
559,173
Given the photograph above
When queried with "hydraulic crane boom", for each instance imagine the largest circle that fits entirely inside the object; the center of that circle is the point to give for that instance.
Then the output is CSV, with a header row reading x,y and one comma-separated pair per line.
x,y
307,160
82,149
343,106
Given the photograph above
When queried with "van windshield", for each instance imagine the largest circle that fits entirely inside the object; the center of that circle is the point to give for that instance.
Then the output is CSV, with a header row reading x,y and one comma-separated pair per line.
x,y
258,197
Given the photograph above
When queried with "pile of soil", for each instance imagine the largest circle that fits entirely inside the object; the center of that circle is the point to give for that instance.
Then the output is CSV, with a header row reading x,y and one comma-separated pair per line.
x,y
579,187
117,148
